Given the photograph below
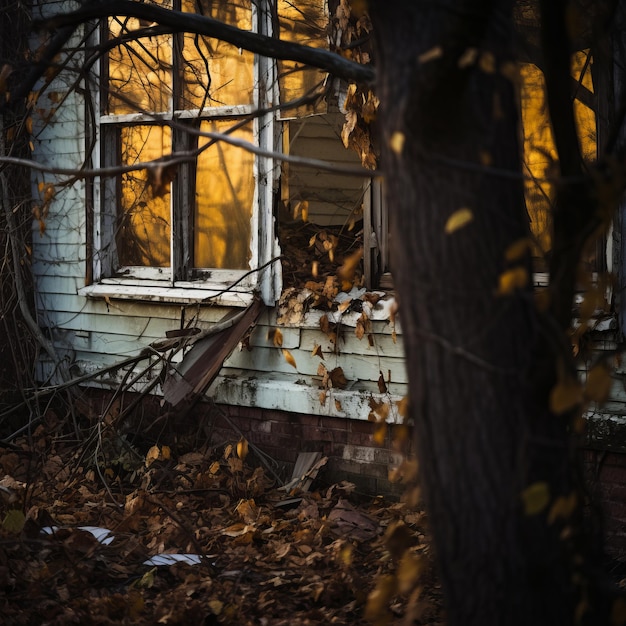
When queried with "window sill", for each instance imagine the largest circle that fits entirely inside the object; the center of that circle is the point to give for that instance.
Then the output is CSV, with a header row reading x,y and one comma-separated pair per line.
x,y
168,295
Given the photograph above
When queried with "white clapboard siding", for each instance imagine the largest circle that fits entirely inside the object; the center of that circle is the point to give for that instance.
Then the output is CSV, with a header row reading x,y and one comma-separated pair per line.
x,y
355,367
332,196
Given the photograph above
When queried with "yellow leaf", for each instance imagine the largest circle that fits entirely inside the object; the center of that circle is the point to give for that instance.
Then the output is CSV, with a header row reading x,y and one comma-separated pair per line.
x,y
599,383
518,249
289,358
166,453
152,455
563,507
14,521
457,220
536,498
566,395
487,62
275,335
468,57
242,448
315,268
430,55
380,434
403,406
409,571
29,125
377,606
147,580
396,143
338,406
304,210
511,280
317,351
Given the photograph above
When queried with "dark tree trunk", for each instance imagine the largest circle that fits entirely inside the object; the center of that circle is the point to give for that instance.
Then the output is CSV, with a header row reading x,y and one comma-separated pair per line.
x,y
480,363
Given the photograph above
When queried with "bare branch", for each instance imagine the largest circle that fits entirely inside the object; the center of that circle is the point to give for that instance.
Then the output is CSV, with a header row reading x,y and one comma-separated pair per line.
x,y
177,21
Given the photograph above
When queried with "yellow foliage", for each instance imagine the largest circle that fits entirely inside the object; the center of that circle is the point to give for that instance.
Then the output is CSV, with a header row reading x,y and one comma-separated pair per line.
x,y
563,507
242,448
536,498
396,143
289,358
457,220
511,280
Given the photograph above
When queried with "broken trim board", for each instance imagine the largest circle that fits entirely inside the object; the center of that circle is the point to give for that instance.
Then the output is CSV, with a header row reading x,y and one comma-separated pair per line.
x,y
194,374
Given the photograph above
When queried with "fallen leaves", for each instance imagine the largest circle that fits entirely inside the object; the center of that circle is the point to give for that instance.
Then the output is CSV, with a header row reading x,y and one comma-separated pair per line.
x,y
200,537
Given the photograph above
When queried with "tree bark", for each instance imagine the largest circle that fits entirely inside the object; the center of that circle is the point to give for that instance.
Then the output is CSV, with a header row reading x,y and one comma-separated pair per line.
x,y
481,363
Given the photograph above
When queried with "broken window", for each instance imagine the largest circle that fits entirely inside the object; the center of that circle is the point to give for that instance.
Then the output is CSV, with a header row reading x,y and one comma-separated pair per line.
x,y
193,220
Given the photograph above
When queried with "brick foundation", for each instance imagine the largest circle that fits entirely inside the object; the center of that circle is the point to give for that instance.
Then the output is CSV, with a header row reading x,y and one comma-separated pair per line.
x,y
352,452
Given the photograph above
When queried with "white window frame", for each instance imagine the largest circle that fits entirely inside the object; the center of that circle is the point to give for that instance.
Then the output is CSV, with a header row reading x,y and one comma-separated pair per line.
x,y
162,284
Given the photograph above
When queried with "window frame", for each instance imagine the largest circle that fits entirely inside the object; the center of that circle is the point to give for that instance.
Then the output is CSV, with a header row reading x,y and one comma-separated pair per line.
x,y
176,283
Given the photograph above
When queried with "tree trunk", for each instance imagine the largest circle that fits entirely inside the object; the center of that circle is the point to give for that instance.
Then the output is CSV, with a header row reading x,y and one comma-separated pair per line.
x,y
493,460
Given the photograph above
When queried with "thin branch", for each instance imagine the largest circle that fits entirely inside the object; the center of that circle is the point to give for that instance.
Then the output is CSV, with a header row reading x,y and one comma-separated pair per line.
x,y
179,21
189,156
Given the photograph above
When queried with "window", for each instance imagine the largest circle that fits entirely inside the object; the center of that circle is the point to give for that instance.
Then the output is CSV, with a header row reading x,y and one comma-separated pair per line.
x,y
204,221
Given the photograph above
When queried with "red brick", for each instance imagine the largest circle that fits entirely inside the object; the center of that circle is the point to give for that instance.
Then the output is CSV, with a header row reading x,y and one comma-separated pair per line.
x,y
361,426
277,416
292,429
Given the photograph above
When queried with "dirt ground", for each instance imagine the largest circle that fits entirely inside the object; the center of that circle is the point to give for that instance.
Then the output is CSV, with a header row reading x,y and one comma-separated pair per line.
x,y
82,517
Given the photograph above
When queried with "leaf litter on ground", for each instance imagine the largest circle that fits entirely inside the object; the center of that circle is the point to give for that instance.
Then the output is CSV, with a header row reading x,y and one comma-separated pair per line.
x,y
199,536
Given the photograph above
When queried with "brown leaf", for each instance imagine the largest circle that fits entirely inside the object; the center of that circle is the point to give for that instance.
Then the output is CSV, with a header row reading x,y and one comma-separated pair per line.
x,y
337,378
275,335
382,387
317,351
289,358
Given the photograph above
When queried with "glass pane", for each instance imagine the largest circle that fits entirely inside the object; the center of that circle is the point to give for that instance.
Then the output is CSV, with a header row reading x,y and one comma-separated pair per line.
x,y
216,73
304,22
224,197
143,236
139,71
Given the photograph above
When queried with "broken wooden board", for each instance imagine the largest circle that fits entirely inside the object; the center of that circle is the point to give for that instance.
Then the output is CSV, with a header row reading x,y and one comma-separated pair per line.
x,y
190,378
308,465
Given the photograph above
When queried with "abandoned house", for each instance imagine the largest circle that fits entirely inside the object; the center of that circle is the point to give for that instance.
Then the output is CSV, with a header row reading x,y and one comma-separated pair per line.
x,y
252,267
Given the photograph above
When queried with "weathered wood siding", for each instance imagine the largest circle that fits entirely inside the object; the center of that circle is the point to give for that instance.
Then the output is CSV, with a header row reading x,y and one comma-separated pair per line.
x,y
91,333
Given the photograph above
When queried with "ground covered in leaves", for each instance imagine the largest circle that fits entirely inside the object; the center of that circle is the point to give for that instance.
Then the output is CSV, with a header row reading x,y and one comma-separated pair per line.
x,y
82,523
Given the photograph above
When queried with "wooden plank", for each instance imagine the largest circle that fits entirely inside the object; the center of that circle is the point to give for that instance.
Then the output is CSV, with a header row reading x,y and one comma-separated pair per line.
x,y
201,365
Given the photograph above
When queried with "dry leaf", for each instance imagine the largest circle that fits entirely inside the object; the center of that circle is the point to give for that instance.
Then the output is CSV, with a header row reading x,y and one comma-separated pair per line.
x,y
275,335
317,351
511,280
242,448
430,55
536,498
337,378
396,143
382,387
289,358
563,507
457,220
152,455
